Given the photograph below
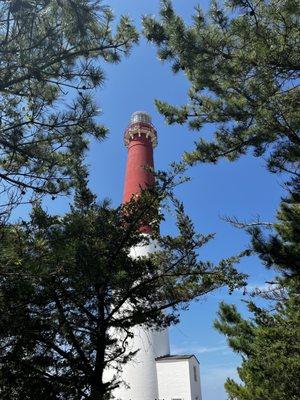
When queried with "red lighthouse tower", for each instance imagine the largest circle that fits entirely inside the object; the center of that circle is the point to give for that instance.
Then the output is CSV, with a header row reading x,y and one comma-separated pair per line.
x,y
140,138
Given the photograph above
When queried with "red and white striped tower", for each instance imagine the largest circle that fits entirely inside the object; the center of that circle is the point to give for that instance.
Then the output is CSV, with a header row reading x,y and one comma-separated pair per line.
x,y
141,374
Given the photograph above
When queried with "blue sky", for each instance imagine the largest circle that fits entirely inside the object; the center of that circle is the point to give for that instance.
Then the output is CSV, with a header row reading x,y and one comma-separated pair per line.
x,y
243,189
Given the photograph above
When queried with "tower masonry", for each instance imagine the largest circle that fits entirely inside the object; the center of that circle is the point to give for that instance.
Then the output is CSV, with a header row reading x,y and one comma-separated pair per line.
x,y
153,374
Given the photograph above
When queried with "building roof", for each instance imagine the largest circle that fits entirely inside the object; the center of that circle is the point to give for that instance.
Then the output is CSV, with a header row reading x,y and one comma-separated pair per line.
x,y
176,357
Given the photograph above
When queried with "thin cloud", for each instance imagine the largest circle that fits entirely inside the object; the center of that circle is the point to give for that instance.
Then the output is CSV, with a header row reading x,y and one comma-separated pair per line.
x,y
195,348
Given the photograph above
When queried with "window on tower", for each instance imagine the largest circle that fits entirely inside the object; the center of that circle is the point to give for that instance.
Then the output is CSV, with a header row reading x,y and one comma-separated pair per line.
x,y
195,373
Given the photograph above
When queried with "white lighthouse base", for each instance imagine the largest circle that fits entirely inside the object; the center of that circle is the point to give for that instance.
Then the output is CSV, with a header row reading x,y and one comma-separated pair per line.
x,y
140,375
154,374
150,376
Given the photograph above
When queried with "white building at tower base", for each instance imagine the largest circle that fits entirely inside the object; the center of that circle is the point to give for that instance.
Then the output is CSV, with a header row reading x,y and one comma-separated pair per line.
x,y
178,377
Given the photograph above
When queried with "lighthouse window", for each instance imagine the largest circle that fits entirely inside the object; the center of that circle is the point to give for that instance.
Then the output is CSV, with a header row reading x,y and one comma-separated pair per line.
x,y
195,374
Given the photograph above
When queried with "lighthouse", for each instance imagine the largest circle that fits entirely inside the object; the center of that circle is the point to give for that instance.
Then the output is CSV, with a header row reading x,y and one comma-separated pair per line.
x,y
153,373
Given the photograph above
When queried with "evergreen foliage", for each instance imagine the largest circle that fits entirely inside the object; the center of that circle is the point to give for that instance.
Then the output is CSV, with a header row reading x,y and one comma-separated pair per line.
x,y
51,53
282,249
269,342
71,292
242,62
270,349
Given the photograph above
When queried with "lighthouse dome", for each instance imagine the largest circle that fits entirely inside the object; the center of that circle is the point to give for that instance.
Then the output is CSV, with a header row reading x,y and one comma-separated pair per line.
x,y
140,116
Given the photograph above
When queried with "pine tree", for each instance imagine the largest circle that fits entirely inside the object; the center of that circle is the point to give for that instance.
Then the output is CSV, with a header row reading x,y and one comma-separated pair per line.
x,y
71,292
270,348
242,62
269,342
50,58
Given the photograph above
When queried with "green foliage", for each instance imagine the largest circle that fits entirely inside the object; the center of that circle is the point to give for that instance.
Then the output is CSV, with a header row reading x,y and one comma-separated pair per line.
x,y
71,292
269,342
269,345
242,62
50,55
282,249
